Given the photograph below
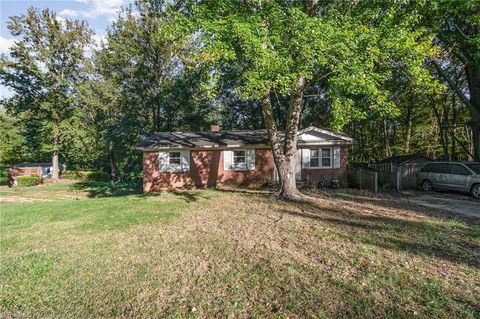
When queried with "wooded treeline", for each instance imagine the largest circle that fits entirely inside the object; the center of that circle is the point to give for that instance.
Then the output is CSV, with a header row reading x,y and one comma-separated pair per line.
x,y
400,77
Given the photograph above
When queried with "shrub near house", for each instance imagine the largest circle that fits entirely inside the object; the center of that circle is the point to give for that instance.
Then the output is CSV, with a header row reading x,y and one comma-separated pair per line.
x,y
28,180
4,177
87,176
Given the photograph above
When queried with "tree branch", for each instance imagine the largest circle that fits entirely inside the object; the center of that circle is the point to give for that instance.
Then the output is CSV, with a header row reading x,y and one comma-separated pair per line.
x,y
452,85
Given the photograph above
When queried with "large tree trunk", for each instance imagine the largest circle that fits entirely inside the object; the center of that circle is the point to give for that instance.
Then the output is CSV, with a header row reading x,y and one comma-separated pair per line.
x,y
446,125
284,148
472,69
111,160
441,128
55,164
409,122
386,138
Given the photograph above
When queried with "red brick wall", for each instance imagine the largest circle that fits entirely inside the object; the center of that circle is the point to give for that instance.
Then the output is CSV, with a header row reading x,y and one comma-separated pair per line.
x,y
315,175
25,171
206,169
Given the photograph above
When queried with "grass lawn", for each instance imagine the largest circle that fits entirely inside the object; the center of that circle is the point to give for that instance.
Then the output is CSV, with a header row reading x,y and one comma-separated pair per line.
x,y
91,250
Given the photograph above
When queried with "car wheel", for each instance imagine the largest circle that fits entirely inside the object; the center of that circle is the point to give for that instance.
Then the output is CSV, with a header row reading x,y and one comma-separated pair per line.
x,y
427,185
476,191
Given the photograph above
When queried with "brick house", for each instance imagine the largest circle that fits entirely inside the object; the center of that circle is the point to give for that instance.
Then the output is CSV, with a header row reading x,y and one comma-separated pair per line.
x,y
43,170
243,158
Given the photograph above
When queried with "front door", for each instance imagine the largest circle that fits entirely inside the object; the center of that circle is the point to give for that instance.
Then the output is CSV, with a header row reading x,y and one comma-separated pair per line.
x,y
298,165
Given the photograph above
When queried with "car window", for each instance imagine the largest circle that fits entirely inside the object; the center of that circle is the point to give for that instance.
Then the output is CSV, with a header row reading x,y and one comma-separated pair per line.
x,y
440,168
459,170
474,167
427,168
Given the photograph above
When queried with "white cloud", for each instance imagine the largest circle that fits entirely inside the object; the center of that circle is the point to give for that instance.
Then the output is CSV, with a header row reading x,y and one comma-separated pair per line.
x,y
107,7
96,8
98,38
60,19
69,13
5,44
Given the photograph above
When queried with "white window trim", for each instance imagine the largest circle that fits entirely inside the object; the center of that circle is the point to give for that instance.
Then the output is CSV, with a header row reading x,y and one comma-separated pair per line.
x,y
250,159
320,157
174,168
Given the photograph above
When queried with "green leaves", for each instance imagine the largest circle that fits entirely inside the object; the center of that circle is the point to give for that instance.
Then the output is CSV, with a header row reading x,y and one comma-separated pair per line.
x,y
45,66
46,63
353,52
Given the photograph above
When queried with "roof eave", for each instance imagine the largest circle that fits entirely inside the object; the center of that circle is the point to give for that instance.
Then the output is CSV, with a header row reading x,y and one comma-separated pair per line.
x,y
201,147
327,132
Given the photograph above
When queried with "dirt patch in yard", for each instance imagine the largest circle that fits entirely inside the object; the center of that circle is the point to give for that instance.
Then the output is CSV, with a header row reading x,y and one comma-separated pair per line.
x,y
456,206
19,199
451,204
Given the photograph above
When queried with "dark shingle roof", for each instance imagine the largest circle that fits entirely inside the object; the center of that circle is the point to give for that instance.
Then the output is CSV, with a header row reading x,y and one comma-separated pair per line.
x,y
204,139
208,139
33,165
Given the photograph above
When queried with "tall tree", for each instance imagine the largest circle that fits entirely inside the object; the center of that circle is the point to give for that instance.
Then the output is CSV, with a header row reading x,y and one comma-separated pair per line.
x,y
456,25
140,85
44,68
285,47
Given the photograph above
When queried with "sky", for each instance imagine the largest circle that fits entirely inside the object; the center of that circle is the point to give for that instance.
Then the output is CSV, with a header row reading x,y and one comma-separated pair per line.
x,y
98,13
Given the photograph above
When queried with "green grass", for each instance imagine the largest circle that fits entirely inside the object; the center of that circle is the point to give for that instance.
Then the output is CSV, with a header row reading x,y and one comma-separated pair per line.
x,y
101,250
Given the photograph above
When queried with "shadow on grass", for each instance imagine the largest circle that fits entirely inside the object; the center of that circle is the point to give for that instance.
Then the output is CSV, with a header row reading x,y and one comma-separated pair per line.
x,y
106,189
448,240
247,191
188,196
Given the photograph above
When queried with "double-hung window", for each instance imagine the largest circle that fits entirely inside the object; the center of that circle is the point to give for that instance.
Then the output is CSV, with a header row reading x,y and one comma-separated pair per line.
x,y
321,158
174,158
239,160
326,157
314,158
174,161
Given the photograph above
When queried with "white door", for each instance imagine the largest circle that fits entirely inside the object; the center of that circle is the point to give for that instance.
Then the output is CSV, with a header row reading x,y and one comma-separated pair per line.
x,y
298,165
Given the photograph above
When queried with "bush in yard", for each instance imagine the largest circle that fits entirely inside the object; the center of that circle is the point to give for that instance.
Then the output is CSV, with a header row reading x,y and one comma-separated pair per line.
x,y
133,178
69,175
90,176
3,176
28,180
87,176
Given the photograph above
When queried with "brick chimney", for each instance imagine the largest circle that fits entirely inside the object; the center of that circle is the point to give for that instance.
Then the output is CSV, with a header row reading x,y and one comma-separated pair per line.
x,y
214,128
